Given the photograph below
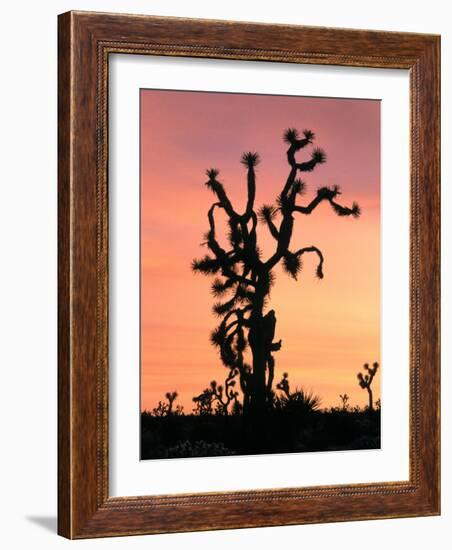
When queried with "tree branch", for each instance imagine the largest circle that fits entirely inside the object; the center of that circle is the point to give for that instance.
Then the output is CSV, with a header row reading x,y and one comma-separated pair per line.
x,y
218,189
267,213
302,251
329,194
250,160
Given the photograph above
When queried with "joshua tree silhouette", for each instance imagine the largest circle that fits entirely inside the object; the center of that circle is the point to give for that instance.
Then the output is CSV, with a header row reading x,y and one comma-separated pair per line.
x,y
166,409
344,398
244,279
171,396
203,403
223,395
284,385
365,381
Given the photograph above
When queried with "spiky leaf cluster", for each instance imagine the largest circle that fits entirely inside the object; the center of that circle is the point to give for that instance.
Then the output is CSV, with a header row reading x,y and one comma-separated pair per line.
x,y
220,308
250,159
290,135
292,264
267,212
212,173
298,186
309,135
221,286
206,265
319,155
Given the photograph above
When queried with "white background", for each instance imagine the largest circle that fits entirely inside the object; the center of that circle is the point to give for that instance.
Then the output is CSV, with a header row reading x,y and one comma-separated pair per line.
x,y
128,476
28,275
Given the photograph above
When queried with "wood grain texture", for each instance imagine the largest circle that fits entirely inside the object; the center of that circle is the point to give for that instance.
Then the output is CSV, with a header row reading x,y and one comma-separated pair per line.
x,y
85,42
64,295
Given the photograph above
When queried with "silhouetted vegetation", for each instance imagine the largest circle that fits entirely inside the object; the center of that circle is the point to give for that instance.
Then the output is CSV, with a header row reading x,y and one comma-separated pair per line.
x,y
165,408
365,381
344,398
247,414
296,423
219,399
243,278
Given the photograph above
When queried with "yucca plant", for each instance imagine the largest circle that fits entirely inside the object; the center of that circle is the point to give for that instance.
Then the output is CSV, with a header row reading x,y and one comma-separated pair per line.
x,y
297,402
243,278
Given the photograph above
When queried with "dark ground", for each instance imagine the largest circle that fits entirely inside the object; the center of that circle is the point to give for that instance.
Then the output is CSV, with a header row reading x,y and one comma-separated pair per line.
x,y
215,435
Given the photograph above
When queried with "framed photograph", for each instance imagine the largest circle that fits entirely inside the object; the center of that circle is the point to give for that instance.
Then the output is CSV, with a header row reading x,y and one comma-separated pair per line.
x,y
248,275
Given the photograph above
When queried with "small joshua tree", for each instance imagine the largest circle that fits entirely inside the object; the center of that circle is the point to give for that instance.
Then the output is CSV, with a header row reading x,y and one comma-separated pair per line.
x,y
284,385
203,403
244,279
166,409
226,394
365,381
223,395
171,396
160,410
344,398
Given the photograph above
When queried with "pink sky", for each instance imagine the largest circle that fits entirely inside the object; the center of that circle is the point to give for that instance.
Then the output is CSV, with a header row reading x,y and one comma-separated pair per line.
x,y
330,327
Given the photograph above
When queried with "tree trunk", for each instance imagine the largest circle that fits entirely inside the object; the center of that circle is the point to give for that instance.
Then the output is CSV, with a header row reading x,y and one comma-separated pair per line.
x,y
371,403
259,396
256,339
259,342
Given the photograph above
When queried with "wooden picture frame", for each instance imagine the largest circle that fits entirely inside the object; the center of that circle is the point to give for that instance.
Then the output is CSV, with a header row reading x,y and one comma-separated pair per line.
x,y
86,40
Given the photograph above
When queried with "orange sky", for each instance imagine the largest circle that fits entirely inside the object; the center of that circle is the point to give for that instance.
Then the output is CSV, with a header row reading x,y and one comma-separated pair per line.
x,y
329,327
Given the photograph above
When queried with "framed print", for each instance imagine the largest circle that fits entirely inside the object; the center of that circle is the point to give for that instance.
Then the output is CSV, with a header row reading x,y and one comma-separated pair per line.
x,y
248,275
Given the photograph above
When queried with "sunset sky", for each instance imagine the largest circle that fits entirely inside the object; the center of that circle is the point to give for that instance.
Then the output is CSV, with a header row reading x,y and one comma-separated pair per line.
x,y
329,327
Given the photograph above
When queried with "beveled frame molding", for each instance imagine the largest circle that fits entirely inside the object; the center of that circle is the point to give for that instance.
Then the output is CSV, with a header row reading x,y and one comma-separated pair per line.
x,y
85,42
